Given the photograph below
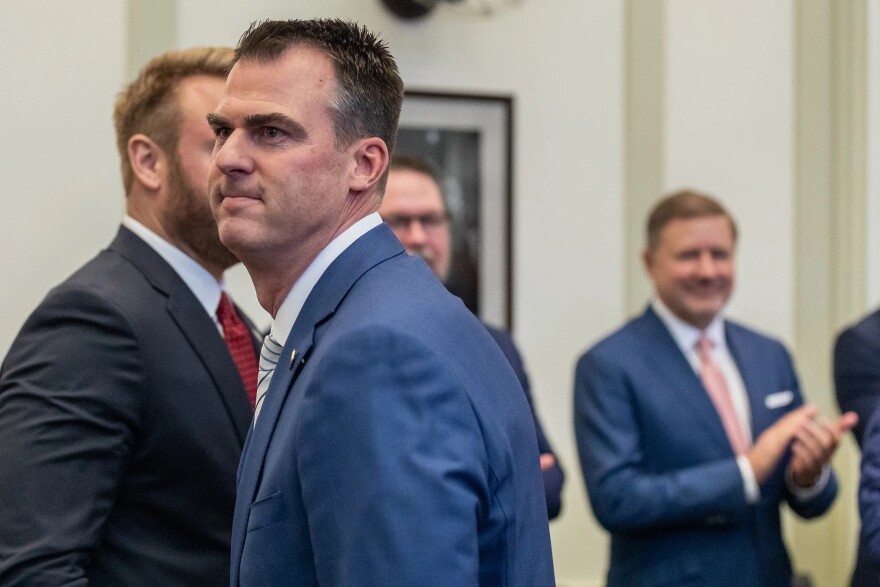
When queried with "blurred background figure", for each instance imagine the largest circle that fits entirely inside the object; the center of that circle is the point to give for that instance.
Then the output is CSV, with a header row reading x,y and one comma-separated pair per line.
x,y
857,385
691,428
415,209
867,569
126,397
857,370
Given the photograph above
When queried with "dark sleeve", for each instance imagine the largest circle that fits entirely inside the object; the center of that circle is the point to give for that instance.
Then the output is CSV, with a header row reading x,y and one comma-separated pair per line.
x,y
869,492
554,477
68,414
857,375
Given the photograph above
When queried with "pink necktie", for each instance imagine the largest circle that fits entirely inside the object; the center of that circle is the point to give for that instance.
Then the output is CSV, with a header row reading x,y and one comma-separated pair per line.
x,y
713,381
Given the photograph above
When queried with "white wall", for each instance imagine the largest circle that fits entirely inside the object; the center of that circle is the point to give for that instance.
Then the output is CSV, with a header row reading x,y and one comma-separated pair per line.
x,y
729,117
60,186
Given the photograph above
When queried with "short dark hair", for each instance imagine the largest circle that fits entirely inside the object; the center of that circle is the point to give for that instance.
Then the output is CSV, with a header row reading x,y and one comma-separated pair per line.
x,y
370,91
413,163
149,104
682,205
403,162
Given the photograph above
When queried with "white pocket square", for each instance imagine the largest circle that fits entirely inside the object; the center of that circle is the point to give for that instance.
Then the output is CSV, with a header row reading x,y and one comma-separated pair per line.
x,y
778,399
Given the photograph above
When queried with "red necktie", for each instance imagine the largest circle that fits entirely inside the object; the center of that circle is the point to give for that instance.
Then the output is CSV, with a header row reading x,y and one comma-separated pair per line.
x,y
240,345
713,381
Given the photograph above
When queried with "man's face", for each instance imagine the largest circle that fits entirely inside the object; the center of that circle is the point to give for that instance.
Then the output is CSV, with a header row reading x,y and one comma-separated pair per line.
x,y
279,187
692,267
413,208
187,215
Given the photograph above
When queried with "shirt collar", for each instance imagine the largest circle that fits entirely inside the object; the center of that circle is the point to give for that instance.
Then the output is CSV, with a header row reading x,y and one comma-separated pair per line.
x,y
296,299
686,335
197,278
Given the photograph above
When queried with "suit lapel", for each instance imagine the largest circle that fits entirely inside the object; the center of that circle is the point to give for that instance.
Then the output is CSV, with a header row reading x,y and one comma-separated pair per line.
x,y
197,327
195,324
748,362
376,246
670,363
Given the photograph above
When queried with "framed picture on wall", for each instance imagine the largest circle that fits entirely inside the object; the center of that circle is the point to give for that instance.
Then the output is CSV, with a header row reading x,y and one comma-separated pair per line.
x,y
468,139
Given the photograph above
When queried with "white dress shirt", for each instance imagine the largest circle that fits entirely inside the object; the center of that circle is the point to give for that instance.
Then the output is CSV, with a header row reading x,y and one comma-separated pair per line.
x,y
686,336
296,298
203,285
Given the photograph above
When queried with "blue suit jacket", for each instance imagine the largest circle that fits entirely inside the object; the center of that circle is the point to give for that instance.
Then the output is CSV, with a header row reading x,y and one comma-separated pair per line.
x,y
554,477
395,448
660,472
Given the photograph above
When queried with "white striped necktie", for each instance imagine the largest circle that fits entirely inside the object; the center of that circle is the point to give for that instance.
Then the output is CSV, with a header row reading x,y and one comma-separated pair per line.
x,y
268,359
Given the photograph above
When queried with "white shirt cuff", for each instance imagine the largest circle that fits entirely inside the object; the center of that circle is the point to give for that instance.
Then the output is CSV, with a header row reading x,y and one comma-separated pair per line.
x,y
750,484
805,493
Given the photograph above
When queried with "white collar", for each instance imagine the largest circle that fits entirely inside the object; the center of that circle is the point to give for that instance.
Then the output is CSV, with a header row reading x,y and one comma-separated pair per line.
x,y
686,335
197,278
296,298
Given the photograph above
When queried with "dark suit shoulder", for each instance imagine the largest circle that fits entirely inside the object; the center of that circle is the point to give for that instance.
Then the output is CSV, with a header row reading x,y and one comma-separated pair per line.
x,y
112,276
81,338
857,370
116,440
866,331
70,410
505,342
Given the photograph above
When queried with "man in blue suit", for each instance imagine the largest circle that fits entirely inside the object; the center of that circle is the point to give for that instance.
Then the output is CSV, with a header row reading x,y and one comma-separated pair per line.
x,y
691,428
415,209
391,444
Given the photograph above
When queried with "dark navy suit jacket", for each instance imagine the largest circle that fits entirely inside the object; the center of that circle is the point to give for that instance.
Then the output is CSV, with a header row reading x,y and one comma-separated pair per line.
x,y
122,419
554,477
867,571
394,446
857,370
857,384
660,472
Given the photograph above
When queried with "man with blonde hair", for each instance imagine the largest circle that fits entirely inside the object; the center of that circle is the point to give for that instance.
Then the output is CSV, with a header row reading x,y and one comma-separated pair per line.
x,y
126,397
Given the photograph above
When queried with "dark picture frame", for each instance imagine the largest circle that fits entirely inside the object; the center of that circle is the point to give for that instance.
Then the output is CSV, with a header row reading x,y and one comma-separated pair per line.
x,y
468,139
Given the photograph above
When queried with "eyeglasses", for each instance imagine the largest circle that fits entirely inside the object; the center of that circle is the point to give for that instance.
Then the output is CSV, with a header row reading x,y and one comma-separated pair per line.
x,y
428,222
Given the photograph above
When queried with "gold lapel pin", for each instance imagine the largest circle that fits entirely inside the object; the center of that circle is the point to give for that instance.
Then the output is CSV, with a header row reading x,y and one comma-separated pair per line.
x,y
292,357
